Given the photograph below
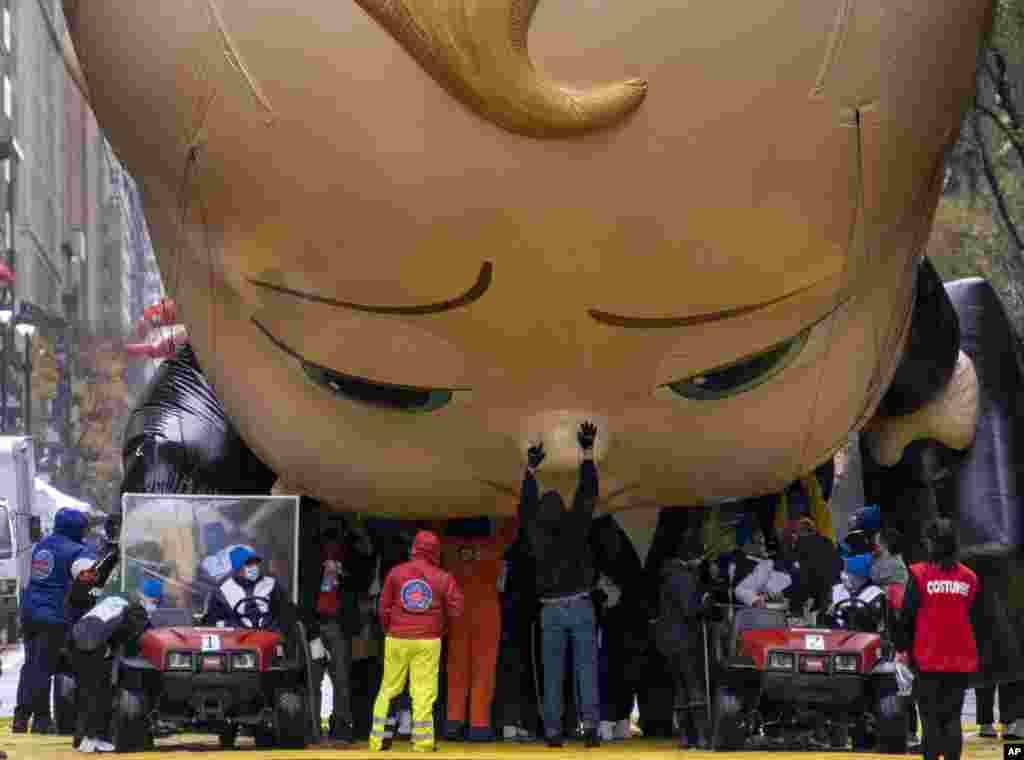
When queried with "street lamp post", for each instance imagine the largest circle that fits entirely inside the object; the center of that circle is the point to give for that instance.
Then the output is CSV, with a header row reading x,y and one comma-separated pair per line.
x,y
6,315
27,329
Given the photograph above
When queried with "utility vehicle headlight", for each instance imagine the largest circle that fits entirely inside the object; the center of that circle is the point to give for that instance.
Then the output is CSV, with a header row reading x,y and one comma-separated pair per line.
x,y
179,661
847,663
244,661
780,660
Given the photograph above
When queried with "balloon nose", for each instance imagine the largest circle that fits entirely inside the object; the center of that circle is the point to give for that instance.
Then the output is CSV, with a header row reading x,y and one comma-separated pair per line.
x,y
557,430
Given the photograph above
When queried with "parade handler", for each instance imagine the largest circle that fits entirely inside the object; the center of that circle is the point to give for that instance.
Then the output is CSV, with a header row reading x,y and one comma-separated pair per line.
x,y
44,618
476,563
113,622
936,635
559,542
416,604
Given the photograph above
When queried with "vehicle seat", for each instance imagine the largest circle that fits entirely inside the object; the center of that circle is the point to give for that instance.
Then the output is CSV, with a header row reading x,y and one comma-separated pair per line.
x,y
171,617
754,618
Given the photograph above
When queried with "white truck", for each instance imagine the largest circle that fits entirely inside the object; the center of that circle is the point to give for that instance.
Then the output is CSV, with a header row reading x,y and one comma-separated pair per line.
x,y
20,527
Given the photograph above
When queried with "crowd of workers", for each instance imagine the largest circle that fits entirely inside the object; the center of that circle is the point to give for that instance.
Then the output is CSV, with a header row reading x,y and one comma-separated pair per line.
x,y
469,597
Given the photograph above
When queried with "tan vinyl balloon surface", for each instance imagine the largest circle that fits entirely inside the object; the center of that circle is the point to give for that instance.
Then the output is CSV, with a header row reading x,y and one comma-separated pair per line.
x,y
787,157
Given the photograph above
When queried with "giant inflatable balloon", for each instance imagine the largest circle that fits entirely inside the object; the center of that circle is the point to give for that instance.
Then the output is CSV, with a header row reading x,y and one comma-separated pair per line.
x,y
409,237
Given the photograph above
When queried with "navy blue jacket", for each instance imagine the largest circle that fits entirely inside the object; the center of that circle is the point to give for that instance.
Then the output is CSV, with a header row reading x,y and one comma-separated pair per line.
x,y
683,602
50,576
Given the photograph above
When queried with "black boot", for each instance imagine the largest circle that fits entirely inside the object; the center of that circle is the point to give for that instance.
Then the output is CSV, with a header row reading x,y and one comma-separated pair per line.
x,y
341,733
699,716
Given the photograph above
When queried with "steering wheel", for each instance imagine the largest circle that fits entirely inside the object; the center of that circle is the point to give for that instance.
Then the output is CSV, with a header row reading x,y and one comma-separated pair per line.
x,y
256,610
855,606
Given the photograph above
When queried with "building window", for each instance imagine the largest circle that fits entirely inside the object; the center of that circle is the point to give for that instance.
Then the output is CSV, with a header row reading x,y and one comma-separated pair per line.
x,y
8,97
7,30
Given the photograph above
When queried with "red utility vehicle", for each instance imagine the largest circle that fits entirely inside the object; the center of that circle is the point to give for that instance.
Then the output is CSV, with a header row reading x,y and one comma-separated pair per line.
x,y
215,680
780,685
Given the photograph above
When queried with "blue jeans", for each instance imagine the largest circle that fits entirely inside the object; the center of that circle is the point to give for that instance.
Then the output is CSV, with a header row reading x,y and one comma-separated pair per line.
x,y
560,623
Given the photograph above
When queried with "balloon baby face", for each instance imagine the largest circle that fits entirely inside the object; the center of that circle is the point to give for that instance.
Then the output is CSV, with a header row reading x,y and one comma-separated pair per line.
x,y
403,252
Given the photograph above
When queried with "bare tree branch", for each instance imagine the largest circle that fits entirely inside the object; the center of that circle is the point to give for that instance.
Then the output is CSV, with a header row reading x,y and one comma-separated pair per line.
x,y
993,181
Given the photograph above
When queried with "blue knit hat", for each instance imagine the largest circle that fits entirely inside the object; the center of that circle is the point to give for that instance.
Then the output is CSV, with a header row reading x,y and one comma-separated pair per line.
x,y
240,555
153,588
860,565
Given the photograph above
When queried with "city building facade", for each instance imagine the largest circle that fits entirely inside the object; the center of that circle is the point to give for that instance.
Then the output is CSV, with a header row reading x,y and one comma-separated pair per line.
x,y
73,233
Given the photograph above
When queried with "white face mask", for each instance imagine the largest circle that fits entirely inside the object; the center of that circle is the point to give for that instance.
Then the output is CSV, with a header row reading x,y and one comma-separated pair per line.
x,y
251,572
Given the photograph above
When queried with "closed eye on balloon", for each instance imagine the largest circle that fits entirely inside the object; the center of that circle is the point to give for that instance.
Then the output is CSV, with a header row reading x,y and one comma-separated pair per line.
x,y
743,375
399,397
402,398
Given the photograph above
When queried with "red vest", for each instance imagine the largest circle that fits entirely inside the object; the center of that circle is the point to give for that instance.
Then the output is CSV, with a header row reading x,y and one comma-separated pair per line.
x,y
943,638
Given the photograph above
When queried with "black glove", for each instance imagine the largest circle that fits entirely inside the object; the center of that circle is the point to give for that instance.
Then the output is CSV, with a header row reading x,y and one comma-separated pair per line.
x,y
586,435
535,455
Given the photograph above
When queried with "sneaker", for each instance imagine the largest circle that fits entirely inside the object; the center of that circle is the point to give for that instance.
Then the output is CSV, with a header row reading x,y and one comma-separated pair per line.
x,y
623,729
606,730
525,736
42,726
87,745
1014,731
510,733
102,746
988,731
454,731
554,741
19,726
591,738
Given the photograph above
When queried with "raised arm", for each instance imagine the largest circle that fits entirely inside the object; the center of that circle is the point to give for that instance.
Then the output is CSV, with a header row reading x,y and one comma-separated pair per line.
x,y
585,501
529,494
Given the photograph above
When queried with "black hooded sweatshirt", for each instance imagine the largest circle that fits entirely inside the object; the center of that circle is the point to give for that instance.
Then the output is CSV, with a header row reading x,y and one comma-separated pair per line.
x,y
559,539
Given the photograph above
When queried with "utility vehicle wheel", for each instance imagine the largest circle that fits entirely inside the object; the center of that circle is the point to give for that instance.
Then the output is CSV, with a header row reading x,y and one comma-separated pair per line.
x,y
130,724
891,727
728,731
291,719
64,712
227,736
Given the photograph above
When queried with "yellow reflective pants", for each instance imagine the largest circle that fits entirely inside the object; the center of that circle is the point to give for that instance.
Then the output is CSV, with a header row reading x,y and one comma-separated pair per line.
x,y
419,660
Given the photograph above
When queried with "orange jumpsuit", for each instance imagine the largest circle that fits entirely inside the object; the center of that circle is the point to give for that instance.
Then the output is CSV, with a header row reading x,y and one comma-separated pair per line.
x,y
473,639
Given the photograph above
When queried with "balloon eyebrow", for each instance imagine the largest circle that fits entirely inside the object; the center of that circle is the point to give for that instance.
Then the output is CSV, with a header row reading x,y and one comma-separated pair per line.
x,y
617,320
483,282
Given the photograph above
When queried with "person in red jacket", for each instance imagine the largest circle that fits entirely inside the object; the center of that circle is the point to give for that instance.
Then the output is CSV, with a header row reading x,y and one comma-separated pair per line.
x,y
474,554
935,634
416,604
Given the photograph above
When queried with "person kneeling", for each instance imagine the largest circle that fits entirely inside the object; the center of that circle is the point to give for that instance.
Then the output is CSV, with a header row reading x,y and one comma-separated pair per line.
x,y
112,623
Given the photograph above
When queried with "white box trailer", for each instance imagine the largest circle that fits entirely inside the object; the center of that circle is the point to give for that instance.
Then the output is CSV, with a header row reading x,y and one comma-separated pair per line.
x,y
19,527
